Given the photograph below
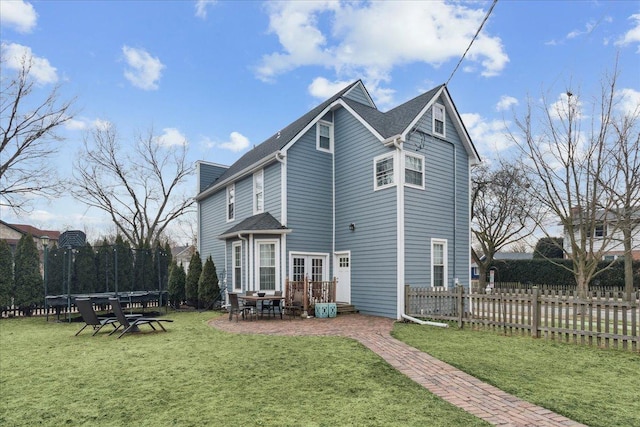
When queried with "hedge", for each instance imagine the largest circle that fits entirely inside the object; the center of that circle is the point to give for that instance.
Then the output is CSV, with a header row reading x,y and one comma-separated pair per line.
x,y
541,271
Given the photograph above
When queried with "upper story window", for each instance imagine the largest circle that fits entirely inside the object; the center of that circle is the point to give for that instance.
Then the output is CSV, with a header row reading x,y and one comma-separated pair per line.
x,y
258,192
439,120
383,171
231,202
414,170
324,136
600,230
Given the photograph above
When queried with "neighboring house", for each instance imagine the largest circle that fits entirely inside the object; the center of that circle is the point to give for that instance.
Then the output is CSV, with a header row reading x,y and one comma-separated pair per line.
x,y
12,233
377,200
475,272
608,235
182,255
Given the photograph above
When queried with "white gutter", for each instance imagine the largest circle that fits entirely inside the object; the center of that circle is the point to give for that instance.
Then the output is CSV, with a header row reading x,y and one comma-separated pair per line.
x,y
424,322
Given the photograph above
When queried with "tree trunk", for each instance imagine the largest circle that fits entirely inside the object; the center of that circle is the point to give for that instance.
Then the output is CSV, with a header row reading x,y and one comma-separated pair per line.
x,y
628,265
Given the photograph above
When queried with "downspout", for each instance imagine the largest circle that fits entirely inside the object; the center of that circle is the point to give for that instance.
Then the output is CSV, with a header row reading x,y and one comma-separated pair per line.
x,y
424,322
281,158
397,142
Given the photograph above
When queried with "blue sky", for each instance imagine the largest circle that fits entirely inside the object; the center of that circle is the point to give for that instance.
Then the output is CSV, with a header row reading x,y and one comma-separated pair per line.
x,y
225,75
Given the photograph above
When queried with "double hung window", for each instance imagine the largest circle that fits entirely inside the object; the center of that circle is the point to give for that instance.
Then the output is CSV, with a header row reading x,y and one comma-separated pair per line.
x,y
438,120
438,262
267,261
324,136
231,202
237,266
383,171
414,170
258,192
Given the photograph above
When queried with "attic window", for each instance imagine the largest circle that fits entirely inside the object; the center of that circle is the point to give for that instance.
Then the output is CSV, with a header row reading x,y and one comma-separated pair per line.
x,y
324,136
438,120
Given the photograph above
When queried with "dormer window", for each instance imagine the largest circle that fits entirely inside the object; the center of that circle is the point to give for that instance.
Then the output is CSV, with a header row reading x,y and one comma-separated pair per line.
x,y
324,136
439,120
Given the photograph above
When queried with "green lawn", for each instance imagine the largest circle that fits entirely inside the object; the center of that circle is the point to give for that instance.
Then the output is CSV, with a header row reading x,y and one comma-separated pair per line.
x,y
195,375
595,387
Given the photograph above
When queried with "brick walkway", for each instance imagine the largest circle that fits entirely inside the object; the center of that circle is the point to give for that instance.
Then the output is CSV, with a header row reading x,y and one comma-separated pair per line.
x,y
480,399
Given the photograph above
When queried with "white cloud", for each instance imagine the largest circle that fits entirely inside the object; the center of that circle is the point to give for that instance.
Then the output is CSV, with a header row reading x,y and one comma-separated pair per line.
x,y
489,136
101,124
144,71
201,7
41,70
237,142
506,102
567,103
170,137
628,101
76,124
633,35
322,88
370,39
19,15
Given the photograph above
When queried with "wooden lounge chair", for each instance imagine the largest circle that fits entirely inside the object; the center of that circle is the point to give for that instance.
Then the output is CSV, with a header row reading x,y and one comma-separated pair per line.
x,y
296,305
90,318
130,324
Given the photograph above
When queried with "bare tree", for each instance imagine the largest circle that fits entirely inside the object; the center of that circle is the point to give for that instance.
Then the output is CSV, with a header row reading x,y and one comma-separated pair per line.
x,y
140,190
570,164
502,214
29,126
621,182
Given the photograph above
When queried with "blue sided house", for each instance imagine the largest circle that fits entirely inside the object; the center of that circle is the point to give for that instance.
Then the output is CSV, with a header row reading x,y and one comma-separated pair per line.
x,y
378,200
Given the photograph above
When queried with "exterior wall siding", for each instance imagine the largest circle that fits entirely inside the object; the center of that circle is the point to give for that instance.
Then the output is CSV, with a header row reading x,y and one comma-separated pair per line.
x,y
207,173
211,223
429,213
310,197
373,244
358,95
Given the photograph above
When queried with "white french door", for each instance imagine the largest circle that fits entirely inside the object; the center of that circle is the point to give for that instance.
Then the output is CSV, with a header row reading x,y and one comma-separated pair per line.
x,y
314,266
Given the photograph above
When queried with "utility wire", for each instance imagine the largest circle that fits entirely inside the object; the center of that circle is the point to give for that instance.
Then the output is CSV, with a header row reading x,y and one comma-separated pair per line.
x,y
486,17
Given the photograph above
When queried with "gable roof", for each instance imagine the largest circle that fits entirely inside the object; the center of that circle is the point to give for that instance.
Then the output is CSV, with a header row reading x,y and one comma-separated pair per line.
x,y
396,121
263,223
33,231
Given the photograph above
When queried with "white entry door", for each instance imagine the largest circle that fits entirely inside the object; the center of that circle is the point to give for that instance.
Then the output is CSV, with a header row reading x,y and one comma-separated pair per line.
x,y
343,274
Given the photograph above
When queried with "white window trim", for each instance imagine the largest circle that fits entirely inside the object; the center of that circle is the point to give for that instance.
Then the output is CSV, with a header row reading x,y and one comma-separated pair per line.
x,y
330,126
376,159
417,156
445,254
256,263
444,120
230,188
234,245
256,210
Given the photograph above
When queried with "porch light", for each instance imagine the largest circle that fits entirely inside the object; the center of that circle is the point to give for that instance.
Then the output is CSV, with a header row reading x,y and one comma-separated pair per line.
x,y
352,226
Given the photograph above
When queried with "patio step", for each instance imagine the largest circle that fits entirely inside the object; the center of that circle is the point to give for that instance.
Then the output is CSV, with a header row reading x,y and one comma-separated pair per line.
x,y
344,308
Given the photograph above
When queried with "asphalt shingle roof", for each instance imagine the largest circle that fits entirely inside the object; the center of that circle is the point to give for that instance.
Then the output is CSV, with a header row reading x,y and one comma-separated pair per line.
x,y
388,124
261,222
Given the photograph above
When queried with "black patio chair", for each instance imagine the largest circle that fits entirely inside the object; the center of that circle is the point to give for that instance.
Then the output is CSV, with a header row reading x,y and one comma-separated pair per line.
x,y
90,318
131,324
271,306
238,308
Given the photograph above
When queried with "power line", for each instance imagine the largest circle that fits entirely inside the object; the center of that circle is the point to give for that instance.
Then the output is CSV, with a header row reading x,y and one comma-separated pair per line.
x,y
486,17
